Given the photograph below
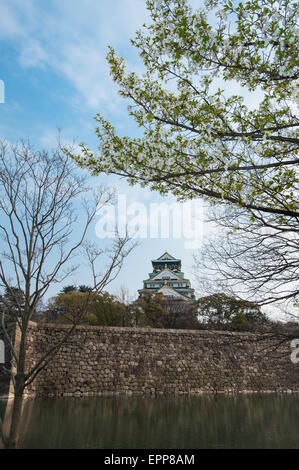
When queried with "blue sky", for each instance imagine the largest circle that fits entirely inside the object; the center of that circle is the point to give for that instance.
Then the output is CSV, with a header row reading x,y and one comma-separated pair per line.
x,y
56,77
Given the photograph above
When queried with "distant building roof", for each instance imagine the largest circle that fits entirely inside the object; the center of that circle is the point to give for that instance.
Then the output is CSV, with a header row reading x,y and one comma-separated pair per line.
x,y
165,257
170,292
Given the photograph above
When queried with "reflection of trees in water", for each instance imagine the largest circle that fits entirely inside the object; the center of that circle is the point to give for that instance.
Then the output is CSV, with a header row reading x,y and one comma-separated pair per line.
x,y
172,422
6,408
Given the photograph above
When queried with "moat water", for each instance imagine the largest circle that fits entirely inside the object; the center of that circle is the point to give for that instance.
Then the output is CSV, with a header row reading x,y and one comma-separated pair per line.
x,y
182,422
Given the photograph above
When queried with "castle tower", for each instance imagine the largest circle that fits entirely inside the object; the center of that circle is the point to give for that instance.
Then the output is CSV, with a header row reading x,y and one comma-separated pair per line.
x,y
168,279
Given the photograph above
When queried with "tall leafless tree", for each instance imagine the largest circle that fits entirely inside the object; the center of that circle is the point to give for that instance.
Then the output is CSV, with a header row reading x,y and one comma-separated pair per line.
x,y
46,208
253,257
259,255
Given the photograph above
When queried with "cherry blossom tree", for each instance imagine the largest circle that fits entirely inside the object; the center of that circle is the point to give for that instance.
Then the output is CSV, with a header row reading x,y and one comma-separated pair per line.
x,y
200,137
217,107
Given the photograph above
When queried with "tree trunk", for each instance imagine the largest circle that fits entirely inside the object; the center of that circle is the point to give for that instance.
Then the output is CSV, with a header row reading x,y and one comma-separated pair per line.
x,y
14,433
19,386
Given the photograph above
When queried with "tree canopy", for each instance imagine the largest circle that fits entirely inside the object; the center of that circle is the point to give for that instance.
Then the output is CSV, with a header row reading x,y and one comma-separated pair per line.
x,y
216,104
157,311
223,310
102,309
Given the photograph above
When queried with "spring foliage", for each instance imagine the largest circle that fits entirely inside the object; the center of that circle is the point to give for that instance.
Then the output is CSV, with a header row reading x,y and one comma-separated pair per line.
x,y
216,105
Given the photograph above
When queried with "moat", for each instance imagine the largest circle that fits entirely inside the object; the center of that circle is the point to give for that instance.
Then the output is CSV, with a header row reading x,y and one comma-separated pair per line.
x,y
183,422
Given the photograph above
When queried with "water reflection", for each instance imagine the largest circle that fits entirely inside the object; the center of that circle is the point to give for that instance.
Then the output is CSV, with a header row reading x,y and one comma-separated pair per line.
x,y
258,421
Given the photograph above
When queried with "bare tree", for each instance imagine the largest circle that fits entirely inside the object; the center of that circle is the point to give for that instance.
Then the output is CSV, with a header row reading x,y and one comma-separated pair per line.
x,y
258,256
123,295
254,258
46,211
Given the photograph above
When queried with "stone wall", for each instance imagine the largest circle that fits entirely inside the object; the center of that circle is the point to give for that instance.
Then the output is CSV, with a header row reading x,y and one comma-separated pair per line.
x,y
109,360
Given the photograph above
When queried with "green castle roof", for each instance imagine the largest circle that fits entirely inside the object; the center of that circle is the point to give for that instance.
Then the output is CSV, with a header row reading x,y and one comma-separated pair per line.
x,y
166,257
179,274
179,292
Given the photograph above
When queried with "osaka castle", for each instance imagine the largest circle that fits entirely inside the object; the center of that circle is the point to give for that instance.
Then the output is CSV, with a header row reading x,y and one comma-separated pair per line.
x,y
168,279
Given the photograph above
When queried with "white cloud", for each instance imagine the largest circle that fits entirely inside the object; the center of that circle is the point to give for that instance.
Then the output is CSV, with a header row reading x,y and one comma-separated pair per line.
x,y
32,54
72,40
9,24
